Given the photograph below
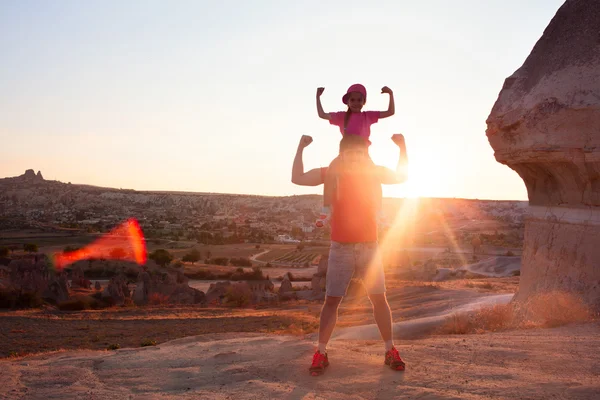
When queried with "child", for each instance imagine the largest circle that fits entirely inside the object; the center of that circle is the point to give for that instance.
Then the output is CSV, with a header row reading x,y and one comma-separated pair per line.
x,y
353,121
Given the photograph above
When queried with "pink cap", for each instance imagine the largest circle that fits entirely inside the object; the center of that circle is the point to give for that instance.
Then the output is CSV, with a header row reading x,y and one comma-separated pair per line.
x,y
357,87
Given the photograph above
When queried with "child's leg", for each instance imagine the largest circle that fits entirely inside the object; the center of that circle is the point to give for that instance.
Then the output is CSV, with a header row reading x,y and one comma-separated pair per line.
x,y
379,201
382,220
329,186
329,189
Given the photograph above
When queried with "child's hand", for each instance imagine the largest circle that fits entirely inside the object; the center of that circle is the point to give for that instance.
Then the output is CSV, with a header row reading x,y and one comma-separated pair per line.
x,y
320,91
398,138
305,140
387,90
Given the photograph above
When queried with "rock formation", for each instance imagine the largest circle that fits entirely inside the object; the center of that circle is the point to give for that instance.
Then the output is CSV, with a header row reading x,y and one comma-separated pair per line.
x,y
30,175
545,125
33,275
116,290
323,263
286,285
317,285
216,292
319,279
78,278
429,270
58,289
172,285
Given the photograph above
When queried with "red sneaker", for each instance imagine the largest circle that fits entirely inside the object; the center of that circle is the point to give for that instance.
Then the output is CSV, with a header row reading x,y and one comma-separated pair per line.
x,y
392,358
319,363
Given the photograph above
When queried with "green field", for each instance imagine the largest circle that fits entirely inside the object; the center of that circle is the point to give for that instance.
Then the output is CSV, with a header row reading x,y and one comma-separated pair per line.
x,y
275,253
286,255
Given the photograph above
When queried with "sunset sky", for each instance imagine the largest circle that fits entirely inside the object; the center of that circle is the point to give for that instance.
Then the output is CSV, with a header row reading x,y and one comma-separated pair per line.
x,y
213,96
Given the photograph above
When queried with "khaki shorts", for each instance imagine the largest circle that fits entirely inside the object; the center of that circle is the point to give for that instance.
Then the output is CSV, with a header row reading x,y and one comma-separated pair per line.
x,y
359,260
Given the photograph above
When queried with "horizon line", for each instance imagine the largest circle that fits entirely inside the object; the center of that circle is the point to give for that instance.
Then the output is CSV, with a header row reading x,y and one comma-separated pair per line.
x,y
187,192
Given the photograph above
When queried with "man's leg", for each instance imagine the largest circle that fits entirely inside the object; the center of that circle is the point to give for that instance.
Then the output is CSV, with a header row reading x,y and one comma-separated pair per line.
x,y
327,323
383,318
329,314
371,269
340,268
339,272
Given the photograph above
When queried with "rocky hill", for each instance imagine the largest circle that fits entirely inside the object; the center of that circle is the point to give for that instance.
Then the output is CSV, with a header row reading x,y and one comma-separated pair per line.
x,y
30,199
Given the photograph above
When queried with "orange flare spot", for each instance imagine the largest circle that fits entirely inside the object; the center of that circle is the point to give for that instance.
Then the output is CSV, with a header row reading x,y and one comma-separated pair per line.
x,y
125,242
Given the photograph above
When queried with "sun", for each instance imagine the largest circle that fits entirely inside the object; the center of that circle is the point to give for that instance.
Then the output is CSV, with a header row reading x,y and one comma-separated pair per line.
x,y
422,174
412,189
429,174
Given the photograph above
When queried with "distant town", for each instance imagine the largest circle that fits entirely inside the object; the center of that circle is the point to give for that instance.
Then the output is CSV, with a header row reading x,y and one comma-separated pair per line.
x,y
29,201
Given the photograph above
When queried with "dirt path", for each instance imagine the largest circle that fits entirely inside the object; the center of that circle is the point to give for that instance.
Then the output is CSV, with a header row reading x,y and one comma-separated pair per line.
x,y
422,326
255,256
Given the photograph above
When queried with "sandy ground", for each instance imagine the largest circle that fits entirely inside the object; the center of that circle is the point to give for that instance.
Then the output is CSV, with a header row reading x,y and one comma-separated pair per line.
x,y
421,326
560,363
46,329
33,331
198,355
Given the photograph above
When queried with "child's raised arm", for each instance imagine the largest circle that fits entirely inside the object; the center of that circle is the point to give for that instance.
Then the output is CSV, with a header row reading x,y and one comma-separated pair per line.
x,y
391,107
322,114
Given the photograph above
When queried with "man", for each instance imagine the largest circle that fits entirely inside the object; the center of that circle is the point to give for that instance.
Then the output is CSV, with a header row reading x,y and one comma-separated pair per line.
x,y
316,176
354,250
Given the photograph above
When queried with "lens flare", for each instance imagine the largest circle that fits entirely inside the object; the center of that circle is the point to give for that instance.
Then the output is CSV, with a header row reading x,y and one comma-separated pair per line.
x,y
125,242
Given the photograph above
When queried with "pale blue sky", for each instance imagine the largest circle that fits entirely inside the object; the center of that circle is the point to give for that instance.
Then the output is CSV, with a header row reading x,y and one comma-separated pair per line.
x,y
214,96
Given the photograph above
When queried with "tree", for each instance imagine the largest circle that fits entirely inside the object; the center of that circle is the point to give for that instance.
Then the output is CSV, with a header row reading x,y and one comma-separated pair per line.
x,y
162,257
224,261
118,253
192,256
30,247
204,237
4,251
218,239
296,232
257,273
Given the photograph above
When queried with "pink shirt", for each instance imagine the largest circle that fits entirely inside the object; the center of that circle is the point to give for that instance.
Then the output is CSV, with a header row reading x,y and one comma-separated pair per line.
x,y
358,123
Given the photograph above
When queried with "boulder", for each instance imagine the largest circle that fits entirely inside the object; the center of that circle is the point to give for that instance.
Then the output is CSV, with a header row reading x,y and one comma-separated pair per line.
x,y
286,285
317,285
57,290
545,125
216,291
323,263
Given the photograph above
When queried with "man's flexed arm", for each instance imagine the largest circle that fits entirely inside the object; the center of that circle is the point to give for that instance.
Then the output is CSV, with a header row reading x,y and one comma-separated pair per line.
x,y
390,177
299,177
